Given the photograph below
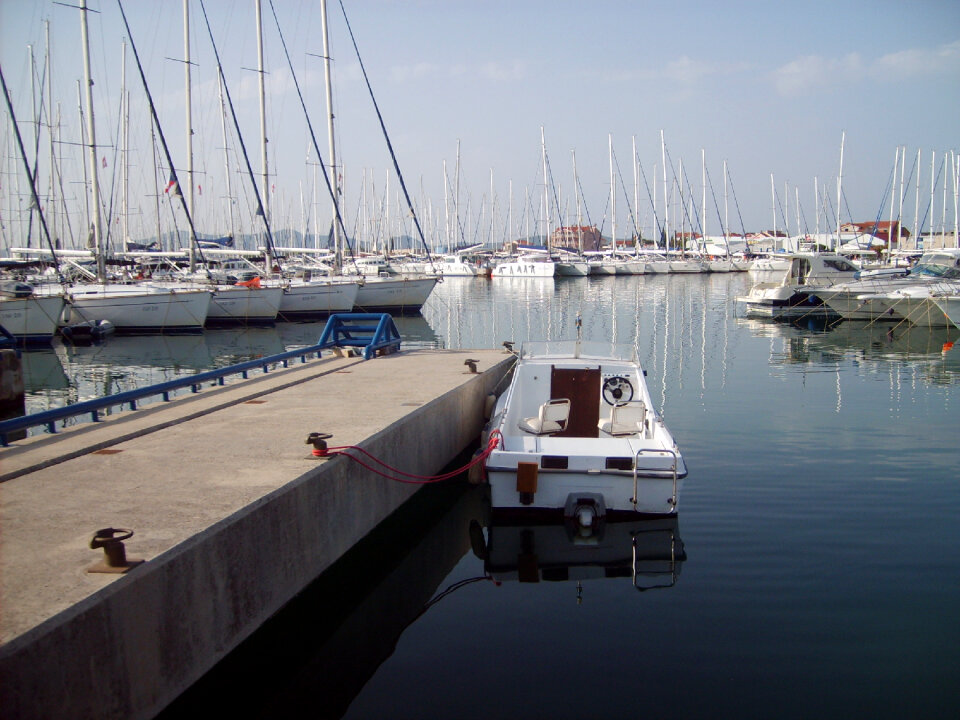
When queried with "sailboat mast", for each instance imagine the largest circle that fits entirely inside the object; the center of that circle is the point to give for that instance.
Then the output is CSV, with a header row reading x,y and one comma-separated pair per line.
x,y
546,192
576,193
893,193
265,179
124,137
50,135
189,127
843,138
337,238
92,149
666,202
613,196
226,154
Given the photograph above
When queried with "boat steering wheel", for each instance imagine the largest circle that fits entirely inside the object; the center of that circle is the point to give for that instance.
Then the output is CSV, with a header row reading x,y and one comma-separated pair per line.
x,y
617,389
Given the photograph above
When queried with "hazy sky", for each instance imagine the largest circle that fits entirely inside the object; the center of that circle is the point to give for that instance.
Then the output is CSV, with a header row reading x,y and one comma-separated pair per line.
x,y
769,87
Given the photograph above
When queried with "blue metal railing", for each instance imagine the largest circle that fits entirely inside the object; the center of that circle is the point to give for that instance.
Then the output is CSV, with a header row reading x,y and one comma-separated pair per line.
x,y
358,330
337,333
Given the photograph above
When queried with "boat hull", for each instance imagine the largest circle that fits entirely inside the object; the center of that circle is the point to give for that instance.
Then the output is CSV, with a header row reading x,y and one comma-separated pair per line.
x,y
402,295
315,299
134,310
31,320
238,305
555,489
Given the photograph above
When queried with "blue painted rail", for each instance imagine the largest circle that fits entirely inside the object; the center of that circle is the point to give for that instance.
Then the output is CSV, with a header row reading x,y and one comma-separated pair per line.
x,y
340,331
370,331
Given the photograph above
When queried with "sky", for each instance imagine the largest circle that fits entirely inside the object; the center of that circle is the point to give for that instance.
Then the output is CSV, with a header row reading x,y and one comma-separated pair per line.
x,y
770,89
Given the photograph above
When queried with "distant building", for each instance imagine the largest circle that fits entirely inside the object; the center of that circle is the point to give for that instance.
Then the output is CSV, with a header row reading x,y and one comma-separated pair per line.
x,y
883,230
576,237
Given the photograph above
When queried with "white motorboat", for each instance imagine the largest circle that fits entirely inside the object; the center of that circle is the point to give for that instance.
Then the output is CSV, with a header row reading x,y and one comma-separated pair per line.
x,y
138,309
770,263
916,303
530,265
795,296
950,306
861,299
577,433
32,319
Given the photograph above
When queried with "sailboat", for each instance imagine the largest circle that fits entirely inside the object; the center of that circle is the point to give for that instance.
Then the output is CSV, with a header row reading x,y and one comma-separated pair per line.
x,y
381,293
127,308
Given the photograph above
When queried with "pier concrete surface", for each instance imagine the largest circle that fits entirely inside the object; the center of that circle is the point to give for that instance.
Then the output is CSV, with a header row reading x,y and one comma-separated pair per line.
x,y
231,512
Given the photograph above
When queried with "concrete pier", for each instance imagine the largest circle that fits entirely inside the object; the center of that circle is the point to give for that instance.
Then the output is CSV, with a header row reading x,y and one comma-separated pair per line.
x,y
231,512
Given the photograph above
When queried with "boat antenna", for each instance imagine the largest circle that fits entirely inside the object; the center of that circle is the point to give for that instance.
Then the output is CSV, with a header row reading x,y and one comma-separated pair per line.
x,y
163,141
383,127
271,254
316,148
30,175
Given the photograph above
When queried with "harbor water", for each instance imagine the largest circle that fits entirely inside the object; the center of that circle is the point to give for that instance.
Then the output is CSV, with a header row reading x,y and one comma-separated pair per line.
x,y
813,569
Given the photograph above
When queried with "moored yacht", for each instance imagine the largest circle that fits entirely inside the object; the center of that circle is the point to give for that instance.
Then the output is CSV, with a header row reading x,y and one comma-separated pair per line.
x,y
861,299
796,295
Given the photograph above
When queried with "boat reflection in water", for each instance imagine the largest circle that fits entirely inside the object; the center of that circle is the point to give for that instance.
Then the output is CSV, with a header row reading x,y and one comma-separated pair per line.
x,y
648,551
930,351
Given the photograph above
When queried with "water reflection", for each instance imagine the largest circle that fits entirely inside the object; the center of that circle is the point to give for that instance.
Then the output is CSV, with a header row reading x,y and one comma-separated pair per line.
x,y
647,551
928,352
315,655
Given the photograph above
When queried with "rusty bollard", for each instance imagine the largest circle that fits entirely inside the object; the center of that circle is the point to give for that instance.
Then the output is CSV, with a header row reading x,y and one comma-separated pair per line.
x,y
115,554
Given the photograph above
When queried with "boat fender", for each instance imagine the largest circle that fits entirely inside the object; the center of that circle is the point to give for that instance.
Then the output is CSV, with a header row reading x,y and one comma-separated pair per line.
x,y
477,542
477,474
488,405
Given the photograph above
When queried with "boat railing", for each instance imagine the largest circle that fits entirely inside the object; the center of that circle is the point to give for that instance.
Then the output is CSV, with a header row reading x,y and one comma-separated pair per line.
x,y
636,476
341,331
131,398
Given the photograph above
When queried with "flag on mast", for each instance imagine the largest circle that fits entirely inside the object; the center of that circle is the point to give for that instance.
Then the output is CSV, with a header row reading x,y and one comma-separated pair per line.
x,y
172,183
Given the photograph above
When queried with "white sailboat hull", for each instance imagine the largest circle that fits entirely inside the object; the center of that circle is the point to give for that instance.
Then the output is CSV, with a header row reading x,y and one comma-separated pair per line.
x,y
139,309
239,305
33,319
394,295
316,298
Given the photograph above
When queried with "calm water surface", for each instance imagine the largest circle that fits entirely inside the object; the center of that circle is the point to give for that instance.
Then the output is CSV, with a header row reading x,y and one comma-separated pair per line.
x,y
816,566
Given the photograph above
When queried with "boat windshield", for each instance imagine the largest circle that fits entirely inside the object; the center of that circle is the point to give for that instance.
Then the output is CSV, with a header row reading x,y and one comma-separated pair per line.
x,y
575,349
936,269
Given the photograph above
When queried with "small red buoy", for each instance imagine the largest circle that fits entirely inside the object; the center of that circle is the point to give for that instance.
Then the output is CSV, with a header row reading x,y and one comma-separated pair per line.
x,y
947,346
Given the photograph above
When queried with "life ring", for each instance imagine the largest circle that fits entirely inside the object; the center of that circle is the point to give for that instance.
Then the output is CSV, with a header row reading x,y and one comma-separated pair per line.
x,y
617,389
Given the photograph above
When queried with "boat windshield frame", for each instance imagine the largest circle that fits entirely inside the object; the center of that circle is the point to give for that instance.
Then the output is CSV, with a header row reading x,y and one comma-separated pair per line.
x,y
584,349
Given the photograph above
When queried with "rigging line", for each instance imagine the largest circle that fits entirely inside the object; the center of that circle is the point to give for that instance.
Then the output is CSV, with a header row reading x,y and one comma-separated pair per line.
x,y
261,211
656,217
926,210
163,141
313,137
30,176
713,194
386,137
736,203
633,217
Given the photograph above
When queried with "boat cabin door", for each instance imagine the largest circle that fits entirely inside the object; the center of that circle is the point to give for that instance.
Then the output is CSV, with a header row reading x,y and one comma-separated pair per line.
x,y
582,386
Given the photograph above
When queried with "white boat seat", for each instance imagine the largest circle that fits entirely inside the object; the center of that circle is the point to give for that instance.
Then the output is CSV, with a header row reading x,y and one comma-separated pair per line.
x,y
626,418
552,418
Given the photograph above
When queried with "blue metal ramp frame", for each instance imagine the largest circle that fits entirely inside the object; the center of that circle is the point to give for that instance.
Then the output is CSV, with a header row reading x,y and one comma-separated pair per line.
x,y
370,331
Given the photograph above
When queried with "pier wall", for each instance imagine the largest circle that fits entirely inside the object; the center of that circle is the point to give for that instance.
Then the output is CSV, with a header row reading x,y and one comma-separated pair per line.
x,y
130,648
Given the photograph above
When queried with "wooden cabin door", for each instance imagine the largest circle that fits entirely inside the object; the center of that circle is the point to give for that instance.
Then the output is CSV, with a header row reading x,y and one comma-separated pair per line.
x,y
582,386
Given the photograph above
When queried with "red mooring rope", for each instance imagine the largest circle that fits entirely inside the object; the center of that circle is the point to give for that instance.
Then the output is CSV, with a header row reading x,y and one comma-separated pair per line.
x,y
412,478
